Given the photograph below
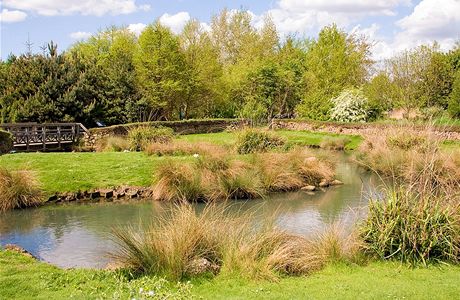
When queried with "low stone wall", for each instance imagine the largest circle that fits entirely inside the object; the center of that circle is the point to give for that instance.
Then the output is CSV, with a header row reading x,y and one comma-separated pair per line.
x,y
179,127
363,129
121,193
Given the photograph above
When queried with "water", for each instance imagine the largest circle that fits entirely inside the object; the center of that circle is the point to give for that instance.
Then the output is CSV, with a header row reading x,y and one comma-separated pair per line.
x,y
76,235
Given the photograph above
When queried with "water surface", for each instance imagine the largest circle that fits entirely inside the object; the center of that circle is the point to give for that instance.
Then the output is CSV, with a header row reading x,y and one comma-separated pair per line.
x,y
79,235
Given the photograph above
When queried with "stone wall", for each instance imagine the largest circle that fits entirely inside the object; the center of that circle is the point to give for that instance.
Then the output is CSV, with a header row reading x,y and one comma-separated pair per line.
x,y
363,129
179,127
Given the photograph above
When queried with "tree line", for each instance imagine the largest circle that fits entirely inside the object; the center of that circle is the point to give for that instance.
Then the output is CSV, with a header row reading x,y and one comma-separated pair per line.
x,y
230,70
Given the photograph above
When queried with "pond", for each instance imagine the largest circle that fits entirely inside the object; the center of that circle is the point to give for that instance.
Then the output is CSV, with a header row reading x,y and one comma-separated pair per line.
x,y
79,235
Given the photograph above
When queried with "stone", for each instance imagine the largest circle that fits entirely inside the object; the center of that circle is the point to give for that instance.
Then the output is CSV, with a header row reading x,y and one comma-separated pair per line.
x,y
132,193
336,182
323,183
52,198
94,195
200,266
106,193
18,249
309,188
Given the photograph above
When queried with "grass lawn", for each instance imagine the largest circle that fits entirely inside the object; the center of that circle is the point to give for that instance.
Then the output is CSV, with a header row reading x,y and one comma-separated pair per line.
x,y
24,278
64,172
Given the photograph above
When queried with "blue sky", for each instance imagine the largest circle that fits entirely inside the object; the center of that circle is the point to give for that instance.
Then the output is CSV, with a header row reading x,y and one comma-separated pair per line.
x,y
393,25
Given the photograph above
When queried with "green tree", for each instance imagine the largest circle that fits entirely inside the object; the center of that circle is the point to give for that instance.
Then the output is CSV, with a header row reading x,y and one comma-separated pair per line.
x,y
454,98
162,73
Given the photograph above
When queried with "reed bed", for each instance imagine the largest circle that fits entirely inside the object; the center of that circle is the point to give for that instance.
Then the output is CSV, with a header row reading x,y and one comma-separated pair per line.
x,y
220,177
185,243
18,189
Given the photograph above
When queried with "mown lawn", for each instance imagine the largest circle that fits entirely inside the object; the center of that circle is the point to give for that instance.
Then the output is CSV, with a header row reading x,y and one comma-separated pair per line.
x,y
63,172
25,278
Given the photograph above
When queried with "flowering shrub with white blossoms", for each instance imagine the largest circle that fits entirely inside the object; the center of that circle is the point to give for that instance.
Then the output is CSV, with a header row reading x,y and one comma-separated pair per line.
x,y
350,106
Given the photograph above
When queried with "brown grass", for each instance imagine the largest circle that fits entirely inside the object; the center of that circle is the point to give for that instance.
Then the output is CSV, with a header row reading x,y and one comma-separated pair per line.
x,y
112,144
413,158
220,177
230,243
18,189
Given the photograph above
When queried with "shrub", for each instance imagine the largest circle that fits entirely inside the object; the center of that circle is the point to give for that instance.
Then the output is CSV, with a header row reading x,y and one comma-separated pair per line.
x,y
350,106
254,140
113,144
334,143
6,142
413,228
454,98
221,242
140,137
18,189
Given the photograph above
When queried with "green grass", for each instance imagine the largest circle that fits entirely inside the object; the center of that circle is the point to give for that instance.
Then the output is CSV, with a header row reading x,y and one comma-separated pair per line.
x,y
24,278
302,138
63,172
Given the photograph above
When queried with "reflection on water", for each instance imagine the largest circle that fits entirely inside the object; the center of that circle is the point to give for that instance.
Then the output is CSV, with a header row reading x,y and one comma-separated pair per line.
x,y
80,235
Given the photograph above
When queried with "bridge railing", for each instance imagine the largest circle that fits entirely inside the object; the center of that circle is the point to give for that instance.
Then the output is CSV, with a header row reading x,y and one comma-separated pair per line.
x,y
27,135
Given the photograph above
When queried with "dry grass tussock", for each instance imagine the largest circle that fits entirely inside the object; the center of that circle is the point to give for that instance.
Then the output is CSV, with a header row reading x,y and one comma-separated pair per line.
x,y
412,157
112,144
18,189
186,243
177,147
220,177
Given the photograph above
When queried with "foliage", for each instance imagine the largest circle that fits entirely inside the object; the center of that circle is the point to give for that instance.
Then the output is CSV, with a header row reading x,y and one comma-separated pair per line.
x,y
454,101
139,137
412,228
350,106
255,140
18,189
6,142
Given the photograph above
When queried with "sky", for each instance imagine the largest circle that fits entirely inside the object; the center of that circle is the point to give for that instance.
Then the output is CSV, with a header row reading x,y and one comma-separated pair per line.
x,y
391,25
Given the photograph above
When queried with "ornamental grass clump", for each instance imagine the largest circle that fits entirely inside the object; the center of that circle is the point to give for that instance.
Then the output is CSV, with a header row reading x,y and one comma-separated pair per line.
x,y
6,142
334,143
186,243
413,157
140,137
18,189
256,140
222,177
412,227
113,144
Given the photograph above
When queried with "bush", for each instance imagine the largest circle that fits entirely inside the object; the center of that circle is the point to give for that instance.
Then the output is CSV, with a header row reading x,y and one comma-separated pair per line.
x,y
255,140
18,189
412,228
140,137
186,243
6,142
113,144
350,106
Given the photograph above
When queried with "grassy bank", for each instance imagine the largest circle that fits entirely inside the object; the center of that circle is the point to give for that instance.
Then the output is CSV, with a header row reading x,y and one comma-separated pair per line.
x,y
25,278
63,172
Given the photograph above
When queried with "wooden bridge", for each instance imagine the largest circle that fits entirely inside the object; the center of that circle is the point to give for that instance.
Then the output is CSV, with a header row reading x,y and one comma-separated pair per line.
x,y
51,136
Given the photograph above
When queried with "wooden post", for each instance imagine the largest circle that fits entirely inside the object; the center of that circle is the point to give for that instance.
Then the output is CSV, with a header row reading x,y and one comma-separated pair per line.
x,y
59,137
27,138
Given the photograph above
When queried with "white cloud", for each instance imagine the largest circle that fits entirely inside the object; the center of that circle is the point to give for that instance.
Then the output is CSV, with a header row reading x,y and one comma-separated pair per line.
x,y
137,28
176,22
80,35
69,7
11,16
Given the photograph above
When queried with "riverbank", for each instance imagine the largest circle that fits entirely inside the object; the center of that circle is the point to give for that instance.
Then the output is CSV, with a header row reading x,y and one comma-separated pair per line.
x,y
25,278
84,171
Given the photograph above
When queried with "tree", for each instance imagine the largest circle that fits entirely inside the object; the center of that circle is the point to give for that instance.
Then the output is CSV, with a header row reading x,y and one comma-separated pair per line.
x,y
162,73
381,92
335,61
454,98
